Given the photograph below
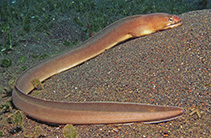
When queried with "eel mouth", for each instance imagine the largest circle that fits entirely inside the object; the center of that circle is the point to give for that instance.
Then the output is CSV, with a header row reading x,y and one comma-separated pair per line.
x,y
174,25
174,21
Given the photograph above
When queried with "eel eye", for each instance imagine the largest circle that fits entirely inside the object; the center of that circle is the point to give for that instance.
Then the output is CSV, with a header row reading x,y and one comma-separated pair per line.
x,y
171,19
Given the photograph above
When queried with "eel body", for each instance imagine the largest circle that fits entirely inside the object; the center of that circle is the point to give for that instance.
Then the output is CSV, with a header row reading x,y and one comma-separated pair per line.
x,y
94,112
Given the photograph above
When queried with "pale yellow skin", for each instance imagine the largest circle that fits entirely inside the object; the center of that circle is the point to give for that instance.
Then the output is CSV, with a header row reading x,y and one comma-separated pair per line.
x,y
94,112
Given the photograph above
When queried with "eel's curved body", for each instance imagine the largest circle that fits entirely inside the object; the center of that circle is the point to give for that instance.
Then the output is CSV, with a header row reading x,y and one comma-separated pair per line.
x,y
94,112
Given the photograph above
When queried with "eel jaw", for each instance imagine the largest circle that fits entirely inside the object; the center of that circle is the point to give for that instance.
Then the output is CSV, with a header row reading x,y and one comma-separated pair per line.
x,y
173,25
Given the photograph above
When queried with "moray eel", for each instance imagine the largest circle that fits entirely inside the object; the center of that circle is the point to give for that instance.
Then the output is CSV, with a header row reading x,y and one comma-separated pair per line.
x,y
94,112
